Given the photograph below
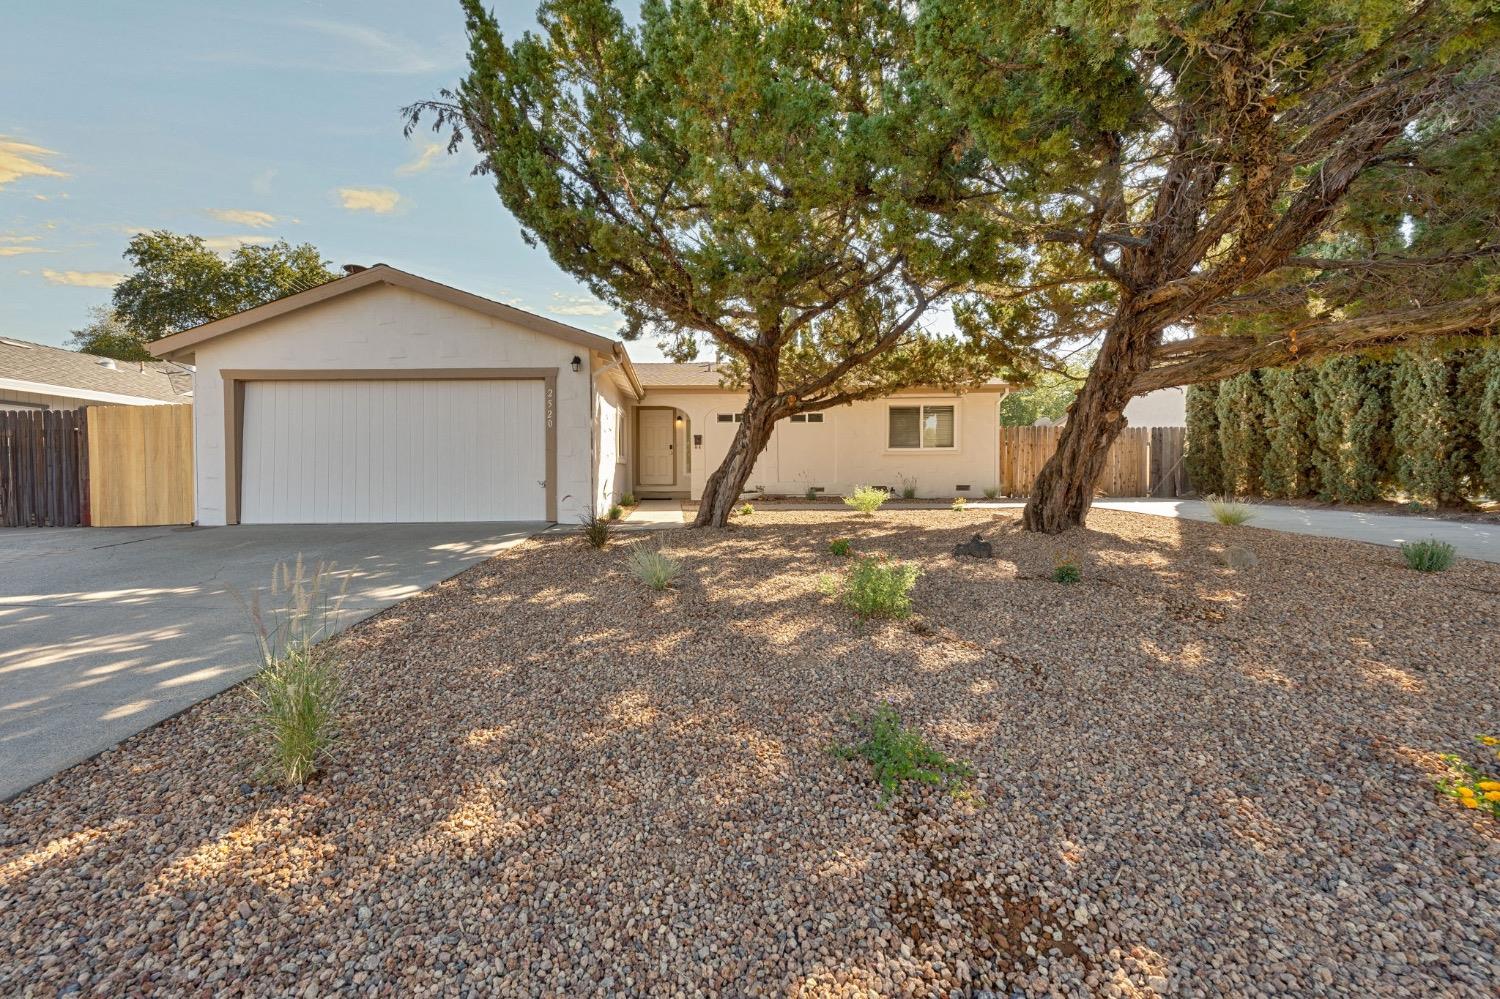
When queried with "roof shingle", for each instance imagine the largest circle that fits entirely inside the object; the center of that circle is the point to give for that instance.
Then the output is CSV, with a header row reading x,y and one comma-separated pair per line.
x,y
163,381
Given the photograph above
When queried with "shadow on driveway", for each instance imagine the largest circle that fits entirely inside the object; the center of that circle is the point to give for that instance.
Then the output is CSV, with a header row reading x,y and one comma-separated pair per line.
x,y
106,632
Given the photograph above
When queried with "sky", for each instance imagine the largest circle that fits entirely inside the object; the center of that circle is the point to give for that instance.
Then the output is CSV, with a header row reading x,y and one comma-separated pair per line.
x,y
240,121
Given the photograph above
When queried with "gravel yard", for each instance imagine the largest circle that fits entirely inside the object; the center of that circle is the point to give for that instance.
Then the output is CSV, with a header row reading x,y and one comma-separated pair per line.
x,y
1191,781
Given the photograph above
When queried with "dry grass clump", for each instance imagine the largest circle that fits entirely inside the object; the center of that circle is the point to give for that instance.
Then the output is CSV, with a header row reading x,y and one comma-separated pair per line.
x,y
1229,511
652,567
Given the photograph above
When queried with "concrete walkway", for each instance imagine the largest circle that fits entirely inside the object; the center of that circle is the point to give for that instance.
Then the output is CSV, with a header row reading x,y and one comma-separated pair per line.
x,y
654,515
104,632
1473,539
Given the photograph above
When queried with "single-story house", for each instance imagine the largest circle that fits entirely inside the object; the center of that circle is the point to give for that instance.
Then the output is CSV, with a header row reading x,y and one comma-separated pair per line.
x,y
386,397
37,376
1162,408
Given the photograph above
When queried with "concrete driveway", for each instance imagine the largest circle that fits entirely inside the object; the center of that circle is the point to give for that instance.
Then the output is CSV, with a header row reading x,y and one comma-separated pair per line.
x,y
105,632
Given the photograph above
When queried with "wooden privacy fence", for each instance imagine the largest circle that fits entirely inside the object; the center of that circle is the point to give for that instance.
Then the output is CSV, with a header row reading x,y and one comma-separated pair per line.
x,y
1144,461
100,466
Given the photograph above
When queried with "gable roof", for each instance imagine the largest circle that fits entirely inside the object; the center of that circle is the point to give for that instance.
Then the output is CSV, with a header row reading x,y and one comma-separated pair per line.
x,y
47,370
666,374
181,344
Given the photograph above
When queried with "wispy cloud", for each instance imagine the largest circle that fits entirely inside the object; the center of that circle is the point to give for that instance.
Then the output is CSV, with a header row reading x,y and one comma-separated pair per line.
x,y
83,279
430,154
22,159
228,244
243,216
380,52
577,305
15,246
380,200
330,46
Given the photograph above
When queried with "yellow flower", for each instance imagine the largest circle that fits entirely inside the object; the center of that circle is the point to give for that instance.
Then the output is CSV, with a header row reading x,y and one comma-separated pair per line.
x,y
1492,796
1489,785
1466,792
1489,740
1469,802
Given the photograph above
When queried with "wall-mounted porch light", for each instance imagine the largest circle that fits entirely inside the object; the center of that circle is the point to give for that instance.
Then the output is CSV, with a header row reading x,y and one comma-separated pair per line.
x,y
577,362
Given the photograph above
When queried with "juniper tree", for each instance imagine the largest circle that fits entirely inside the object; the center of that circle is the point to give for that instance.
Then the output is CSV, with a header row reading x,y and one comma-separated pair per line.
x,y
771,179
1288,471
1207,188
1205,454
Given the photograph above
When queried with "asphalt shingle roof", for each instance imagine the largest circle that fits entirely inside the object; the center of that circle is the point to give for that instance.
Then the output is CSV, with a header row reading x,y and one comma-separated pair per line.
x,y
664,374
164,381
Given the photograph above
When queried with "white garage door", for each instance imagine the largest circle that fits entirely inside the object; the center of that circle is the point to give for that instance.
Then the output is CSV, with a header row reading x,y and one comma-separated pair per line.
x,y
400,451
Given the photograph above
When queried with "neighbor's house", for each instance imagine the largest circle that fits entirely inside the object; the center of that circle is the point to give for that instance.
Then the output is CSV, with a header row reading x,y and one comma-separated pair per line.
x,y
385,397
36,376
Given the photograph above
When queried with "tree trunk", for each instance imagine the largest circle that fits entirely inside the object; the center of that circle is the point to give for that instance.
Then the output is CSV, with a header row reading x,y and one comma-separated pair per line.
x,y
1064,489
721,493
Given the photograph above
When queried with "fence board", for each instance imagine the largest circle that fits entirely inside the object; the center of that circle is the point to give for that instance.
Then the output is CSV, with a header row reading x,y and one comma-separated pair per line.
x,y
1143,461
41,465
140,465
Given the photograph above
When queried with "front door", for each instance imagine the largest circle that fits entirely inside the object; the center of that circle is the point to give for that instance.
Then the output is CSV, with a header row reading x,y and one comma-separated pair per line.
x,y
658,459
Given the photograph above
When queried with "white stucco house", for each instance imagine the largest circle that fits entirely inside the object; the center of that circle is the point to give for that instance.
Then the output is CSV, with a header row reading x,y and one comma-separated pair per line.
x,y
386,397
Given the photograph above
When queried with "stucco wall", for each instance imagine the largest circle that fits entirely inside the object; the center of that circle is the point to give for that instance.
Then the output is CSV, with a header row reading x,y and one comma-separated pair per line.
x,y
857,452
612,432
1163,408
383,327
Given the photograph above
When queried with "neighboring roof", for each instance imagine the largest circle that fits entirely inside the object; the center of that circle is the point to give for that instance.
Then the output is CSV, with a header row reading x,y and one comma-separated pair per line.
x,y
665,374
42,369
181,344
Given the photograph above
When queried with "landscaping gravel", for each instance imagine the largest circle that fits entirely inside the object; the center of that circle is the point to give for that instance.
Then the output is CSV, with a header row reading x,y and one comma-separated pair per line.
x,y
1191,780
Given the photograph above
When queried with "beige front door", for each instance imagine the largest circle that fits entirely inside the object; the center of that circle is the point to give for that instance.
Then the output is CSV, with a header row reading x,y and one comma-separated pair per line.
x,y
658,460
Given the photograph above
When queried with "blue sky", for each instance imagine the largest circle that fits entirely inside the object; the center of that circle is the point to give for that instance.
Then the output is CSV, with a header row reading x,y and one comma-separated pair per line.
x,y
245,121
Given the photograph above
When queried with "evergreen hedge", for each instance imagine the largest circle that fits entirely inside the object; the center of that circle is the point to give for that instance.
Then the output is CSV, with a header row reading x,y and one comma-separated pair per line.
x,y
1423,423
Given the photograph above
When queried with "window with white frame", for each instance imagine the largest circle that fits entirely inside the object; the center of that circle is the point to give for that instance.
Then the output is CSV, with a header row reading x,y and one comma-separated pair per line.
x,y
920,428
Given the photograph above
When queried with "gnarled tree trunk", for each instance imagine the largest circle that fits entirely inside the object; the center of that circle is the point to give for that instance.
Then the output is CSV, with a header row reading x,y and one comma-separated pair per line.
x,y
721,493
1064,488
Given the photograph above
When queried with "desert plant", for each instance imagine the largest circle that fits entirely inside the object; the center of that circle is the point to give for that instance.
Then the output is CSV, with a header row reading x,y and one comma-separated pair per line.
x,y
896,754
652,567
991,492
876,587
615,511
294,701
1428,556
811,494
959,503
866,499
1228,511
1469,785
596,529
746,509
908,488
628,499
1067,570
840,546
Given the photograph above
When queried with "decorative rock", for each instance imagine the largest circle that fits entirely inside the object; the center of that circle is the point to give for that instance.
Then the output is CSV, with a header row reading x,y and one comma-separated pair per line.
x,y
975,547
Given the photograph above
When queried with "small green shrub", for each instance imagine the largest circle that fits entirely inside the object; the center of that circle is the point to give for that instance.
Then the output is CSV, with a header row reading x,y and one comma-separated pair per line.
x,y
295,699
840,546
615,511
991,492
866,499
652,567
1067,571
896,754
879,588
1230,512
628,499
596,529
746,510
908,488
1428,556
811,494
959,504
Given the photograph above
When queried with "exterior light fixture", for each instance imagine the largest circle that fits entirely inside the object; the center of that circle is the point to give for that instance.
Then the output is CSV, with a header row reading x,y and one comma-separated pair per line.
x,y
577,362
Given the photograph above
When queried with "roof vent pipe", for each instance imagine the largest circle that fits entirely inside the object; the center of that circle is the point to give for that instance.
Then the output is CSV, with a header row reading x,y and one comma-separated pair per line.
x,y
108,362
352,269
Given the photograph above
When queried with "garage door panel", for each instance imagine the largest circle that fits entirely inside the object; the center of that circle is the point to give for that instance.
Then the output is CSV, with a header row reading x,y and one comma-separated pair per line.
x,y
393,451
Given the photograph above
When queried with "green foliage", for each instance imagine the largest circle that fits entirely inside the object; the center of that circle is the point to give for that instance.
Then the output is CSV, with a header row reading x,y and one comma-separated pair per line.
x,y
596,529
1482,400
876,587
897,754
1229,512
178,282
1068,570
959,504
615,511
1431,460
1289,469
628,499
1352,426
866,499
840,547
1242,432
908,488
811,494
1205,455
990,492
1468,784
1428,556
652,567
746,509
107,335
294,701
1048,397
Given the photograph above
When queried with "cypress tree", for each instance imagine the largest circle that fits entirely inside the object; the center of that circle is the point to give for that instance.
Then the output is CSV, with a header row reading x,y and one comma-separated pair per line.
x,y
1242,432
1432,461
1480,409
1289,470
1205,455
1352,430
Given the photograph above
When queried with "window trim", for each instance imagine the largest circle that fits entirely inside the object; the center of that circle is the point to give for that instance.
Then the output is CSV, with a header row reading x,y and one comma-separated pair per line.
x,y
921,406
